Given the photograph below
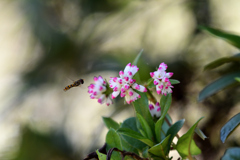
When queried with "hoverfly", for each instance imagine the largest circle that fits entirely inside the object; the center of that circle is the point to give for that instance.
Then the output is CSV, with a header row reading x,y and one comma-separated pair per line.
x,y
75,84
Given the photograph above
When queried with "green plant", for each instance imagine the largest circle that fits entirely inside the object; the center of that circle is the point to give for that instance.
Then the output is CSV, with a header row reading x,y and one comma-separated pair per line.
x,y
148,135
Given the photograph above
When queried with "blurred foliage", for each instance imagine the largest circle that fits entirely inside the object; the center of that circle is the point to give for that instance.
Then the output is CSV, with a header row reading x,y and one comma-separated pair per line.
x,y
41,147
68,35
228,78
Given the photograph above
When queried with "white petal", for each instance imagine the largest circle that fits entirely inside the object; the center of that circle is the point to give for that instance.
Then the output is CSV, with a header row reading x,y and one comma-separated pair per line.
x,y
157,113
139,87
115,94
127,98
109,101
134,70
127,68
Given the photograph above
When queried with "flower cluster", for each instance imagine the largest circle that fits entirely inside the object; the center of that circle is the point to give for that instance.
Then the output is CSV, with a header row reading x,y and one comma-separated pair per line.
x,y
125,84
155,111
161,79
98,91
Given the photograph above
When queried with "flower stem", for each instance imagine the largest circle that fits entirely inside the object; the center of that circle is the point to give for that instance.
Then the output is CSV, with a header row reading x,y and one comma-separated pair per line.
x,y
150,96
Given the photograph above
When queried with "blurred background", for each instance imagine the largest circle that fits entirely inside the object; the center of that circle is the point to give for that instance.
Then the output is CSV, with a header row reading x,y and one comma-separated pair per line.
x,y
45,44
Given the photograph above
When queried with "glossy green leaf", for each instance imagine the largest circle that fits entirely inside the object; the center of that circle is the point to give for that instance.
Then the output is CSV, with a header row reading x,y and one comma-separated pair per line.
x,y
221,61
141,107
136,135
161,149
113,139
110,123
192,150
200,133
174,81
228,37
174,129
146,128
127,146
101,156
232,154
131,124
186,145
229,127
217,85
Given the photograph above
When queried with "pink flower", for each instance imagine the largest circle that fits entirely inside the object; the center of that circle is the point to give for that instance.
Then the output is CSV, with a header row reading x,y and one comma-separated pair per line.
x,y
161,79
98,91
155,110
125,84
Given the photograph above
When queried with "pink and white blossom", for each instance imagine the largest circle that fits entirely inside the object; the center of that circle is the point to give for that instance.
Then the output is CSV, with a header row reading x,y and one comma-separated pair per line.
x,y
155,110
161,79
98,89
125,84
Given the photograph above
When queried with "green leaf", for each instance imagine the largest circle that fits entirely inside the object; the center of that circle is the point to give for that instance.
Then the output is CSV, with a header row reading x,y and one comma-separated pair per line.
x,y
150,83
237,79
137,76
110,123
113,139
136,135
186,145
174,129
229,127
161,149
220,62
127,146
232,154
166,126
161,127
146,128
165,103
101,156
141,107
217,85
145,152
143,133
174,81
158,128
137,58
228,37
200,133
131,124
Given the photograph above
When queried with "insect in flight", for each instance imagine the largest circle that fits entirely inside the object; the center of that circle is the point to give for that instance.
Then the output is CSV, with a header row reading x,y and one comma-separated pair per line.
x,y
75,84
